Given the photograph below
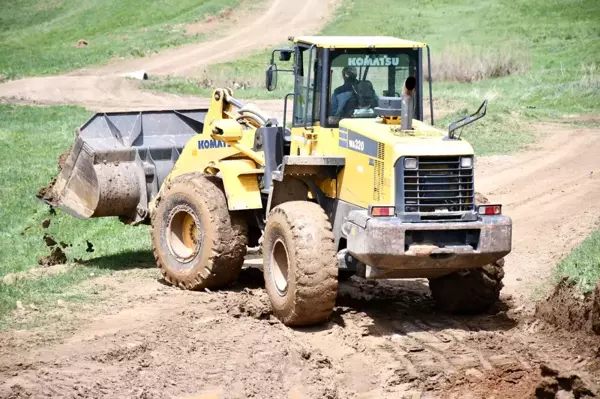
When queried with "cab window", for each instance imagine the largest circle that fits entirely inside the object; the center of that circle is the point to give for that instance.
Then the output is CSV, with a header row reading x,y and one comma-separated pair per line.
x,y
359,78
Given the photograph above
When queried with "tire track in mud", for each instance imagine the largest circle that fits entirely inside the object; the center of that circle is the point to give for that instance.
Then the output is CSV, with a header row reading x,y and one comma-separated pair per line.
x,y
385,340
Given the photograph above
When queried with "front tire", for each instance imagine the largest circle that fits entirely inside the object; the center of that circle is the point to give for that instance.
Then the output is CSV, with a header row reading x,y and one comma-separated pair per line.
x,y
472,291
197,242
300,263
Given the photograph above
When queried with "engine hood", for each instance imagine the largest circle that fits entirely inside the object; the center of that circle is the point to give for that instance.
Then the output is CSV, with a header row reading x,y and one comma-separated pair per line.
x,y
423,140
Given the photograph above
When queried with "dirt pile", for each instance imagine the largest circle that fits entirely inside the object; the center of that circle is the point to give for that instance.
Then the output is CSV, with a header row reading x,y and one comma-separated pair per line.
x,y
567,308
35,273
555,384
251,303
57,255
513,381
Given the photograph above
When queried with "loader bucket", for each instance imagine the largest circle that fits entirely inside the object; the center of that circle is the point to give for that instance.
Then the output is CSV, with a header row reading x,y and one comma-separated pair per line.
x,y
119,161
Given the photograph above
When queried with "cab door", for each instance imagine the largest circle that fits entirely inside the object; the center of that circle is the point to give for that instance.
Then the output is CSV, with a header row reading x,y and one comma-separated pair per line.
x,y
307,99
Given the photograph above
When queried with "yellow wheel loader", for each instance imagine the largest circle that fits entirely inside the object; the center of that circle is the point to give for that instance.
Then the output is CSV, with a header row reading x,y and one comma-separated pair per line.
x,y
356,183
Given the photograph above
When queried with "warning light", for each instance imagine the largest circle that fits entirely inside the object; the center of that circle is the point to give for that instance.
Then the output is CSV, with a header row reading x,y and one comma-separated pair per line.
x,y
382,211
489,209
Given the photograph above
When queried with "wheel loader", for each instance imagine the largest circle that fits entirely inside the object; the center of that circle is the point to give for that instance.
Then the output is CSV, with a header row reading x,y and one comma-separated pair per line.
x,y
353,181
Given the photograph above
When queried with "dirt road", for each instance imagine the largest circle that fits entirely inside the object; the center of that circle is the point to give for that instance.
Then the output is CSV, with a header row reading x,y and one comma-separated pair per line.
x,y
386,340
104,89
547,192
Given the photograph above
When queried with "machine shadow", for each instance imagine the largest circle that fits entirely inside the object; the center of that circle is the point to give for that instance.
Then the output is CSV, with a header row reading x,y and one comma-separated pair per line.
x,y
126,260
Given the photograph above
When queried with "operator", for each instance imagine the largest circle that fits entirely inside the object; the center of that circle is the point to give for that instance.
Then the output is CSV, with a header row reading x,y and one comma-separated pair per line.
x,y
344,93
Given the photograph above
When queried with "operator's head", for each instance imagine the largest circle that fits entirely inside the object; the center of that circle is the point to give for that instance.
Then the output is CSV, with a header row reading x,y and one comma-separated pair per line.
x,y
349,73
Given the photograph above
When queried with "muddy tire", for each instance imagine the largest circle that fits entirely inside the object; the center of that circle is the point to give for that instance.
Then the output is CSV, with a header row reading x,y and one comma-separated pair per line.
x,y
300,263
472,291
197,242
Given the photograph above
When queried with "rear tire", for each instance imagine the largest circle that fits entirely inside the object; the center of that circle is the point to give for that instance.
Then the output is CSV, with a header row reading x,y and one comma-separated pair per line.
x,y
300,263
472,291
197,242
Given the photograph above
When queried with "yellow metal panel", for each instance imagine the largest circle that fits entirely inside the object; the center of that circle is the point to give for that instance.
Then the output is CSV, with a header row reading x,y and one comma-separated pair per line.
x,y
230,129
241,184
358,42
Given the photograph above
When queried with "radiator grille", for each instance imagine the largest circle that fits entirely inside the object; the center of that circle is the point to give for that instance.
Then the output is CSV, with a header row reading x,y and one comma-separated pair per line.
x,y
438,185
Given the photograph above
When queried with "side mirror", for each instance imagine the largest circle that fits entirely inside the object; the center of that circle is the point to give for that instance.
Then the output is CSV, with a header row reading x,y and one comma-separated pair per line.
x,y
271,77
285,55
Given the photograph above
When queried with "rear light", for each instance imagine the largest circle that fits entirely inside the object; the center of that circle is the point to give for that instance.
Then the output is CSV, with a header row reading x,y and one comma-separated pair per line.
x,y
489,209
376,211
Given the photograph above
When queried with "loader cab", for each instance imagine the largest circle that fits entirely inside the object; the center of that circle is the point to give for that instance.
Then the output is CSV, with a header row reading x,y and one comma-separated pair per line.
x,y
345,77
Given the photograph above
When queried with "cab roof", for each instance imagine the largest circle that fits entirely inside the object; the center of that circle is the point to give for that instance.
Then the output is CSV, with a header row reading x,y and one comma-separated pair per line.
x,y
357,42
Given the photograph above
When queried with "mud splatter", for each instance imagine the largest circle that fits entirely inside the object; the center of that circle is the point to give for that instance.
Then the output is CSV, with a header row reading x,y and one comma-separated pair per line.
x,y
56,257
50,242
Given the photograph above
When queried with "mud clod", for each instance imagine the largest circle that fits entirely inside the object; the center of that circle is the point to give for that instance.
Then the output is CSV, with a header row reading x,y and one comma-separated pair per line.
x,y
46,193
62,159
56,257
556,384
251,303
50,242
46,223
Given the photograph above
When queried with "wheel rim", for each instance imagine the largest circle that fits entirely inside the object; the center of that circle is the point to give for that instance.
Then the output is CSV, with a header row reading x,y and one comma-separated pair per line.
x,y
279,266
184,236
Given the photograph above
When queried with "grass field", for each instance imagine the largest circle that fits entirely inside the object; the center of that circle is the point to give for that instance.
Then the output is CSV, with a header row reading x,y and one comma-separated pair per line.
x,y
33,138
40,37
582,266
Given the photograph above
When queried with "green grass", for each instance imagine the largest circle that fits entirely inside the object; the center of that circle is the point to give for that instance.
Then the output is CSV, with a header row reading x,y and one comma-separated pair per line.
x,y
582,266
32,138
558,40
38,37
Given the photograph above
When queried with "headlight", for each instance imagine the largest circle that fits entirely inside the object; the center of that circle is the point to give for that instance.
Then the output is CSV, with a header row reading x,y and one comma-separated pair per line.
x,y
466,162
410,163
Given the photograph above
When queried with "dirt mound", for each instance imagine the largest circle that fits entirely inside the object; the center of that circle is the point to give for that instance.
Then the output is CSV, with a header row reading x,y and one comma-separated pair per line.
x,y
544,382
31,274
567,308
251,303
555,383
56,257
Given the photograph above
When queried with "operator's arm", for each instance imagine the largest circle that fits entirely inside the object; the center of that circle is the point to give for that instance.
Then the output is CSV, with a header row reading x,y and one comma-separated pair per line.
x,y
334,103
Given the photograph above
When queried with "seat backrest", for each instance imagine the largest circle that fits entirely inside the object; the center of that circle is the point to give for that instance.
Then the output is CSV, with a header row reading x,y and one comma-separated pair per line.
x,y
367,97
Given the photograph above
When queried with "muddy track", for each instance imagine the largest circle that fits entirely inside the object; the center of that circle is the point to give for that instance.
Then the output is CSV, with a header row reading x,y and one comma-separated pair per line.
x,y
549,192
103,89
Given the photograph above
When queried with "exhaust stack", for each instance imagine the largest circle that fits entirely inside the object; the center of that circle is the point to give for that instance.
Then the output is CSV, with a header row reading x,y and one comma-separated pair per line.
x,y
408,103
399,111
